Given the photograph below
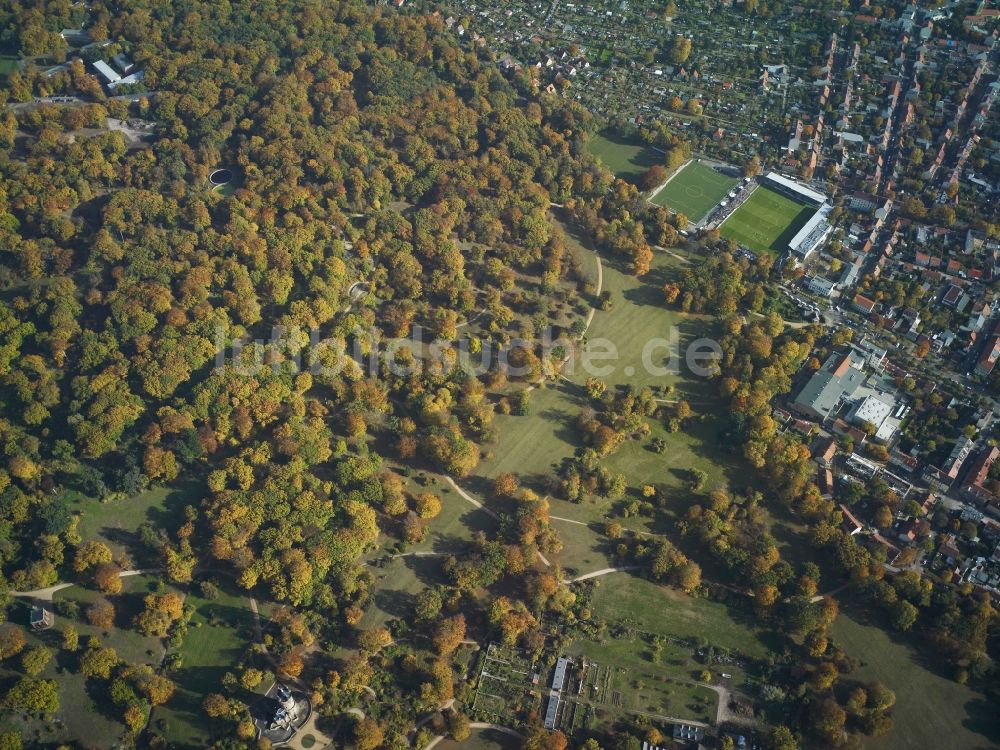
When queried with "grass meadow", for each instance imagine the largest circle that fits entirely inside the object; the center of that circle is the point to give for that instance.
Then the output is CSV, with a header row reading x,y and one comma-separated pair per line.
x,y
482,739
928,704
117,522
8,65
84,708
629,160
535,446
220,634
671,613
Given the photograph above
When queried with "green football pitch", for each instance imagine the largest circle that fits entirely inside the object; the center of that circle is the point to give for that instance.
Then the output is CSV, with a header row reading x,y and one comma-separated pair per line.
x,y
695,190
766,221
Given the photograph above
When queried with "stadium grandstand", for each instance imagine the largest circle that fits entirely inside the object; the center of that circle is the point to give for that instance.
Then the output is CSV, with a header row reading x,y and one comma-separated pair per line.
x,y
817,229
793,189
813,233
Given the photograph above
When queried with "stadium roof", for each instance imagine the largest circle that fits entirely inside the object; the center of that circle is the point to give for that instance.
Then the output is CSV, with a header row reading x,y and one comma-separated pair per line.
x,y
810,235
795,187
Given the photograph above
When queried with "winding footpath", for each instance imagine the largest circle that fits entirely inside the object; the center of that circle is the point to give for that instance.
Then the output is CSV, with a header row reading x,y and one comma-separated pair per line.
x,y
599,573
45,595
544,560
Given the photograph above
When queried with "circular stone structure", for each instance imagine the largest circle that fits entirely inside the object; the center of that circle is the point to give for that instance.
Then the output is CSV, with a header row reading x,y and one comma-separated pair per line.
x,y
221,177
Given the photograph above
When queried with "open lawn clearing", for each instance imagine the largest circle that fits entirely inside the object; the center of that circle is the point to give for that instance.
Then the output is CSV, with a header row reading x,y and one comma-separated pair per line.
x,y
219,636
625,598
536,443
131,645
455,525
585,549
766,221
639,322
627,159
482,739
8,65
85,710
695,190
535,446
397,584
117,522
931,709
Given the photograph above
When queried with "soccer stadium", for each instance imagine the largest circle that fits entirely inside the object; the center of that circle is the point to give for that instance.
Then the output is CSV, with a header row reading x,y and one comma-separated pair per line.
x,y
779,216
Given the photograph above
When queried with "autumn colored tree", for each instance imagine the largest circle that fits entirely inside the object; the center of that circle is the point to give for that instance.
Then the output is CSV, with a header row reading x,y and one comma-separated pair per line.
x,y
291,665
70,638
449,634
101,614
12,640
374,639
90,554
99,662
34,660
251,678
367,734
458,725
653,176
34,695
159,613
427,505
107,578
215,705
505,485
157,688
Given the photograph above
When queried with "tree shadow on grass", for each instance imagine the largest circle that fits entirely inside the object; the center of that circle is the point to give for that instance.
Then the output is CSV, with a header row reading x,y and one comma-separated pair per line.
x,y
657,276
449,544
505,741
97,691
480,488
981,718
128,605
226,615
395,603
645,295
426,569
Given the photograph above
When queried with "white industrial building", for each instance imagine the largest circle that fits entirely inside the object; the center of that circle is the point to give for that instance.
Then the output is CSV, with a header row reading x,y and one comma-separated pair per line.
x,y
105,71
821,286
880,410
872,409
